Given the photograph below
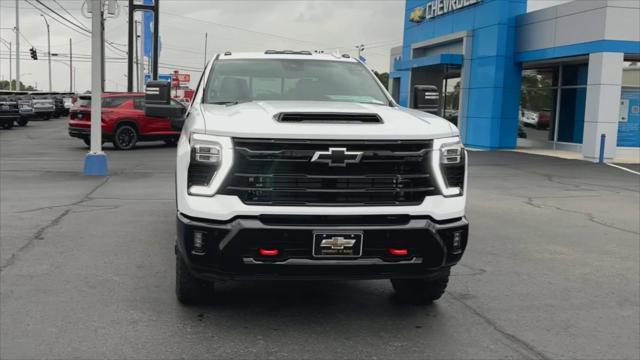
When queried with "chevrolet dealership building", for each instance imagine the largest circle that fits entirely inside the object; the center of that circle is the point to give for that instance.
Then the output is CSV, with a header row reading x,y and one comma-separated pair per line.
x,y
564,77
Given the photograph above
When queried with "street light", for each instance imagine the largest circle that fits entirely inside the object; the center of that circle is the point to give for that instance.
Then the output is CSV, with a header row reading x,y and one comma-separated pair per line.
x,y
49,46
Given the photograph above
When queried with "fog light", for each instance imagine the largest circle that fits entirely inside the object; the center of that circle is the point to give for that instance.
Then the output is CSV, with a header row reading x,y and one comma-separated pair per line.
x,y
398,252
456,243
198,243
268,252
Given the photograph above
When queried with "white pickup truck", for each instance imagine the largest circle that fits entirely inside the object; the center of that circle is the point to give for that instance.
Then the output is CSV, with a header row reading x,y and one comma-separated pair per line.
x,y
296,165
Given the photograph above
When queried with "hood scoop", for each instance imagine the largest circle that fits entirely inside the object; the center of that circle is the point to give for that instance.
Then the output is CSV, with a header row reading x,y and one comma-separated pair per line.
x,y
328,118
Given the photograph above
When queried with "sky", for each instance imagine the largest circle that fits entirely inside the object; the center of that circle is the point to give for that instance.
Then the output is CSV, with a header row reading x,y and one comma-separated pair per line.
x,y
238,25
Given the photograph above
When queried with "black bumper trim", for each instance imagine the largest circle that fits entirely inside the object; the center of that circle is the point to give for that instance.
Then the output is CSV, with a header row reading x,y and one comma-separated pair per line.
x,y
80,133
227,243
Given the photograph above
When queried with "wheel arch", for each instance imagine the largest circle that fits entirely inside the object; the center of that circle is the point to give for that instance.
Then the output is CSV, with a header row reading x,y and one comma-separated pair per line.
x,y
125,121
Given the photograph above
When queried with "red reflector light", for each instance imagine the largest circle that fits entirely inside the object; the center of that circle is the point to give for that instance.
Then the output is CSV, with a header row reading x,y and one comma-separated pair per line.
x,y
268,252
398,252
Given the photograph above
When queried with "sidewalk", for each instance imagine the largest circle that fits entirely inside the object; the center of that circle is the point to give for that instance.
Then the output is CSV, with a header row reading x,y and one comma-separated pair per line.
x,y
628,157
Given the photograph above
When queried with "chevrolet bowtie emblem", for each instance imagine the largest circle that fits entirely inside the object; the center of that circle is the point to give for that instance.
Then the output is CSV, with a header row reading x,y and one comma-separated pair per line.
x,y
337,243
337,157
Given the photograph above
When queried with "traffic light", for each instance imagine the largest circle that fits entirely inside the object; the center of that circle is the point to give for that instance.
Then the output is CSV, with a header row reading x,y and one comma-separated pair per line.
x,y
34,53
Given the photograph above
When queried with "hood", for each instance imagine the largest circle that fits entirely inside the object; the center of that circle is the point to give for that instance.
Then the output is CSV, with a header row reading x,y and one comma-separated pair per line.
x,y
256,120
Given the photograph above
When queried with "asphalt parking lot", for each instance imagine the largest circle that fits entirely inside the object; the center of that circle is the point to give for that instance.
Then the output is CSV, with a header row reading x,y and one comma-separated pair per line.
x,y
552,270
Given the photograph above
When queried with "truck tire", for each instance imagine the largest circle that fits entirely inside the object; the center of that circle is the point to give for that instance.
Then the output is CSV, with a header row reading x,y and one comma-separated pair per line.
x,y
23,122
420,291
7,125
189,289
125,137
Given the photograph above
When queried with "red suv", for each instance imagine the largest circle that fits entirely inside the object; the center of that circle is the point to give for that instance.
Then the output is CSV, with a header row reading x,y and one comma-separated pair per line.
x,y
123,121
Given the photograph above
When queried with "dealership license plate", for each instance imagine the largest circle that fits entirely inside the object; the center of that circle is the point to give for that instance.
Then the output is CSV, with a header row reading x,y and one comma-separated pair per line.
x,y
337,244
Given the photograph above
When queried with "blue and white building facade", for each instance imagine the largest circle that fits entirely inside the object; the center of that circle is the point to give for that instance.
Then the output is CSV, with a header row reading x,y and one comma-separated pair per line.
x,y
569,72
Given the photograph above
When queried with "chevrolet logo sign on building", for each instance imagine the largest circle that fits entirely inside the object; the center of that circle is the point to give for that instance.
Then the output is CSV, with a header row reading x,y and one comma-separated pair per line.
x,y
439,7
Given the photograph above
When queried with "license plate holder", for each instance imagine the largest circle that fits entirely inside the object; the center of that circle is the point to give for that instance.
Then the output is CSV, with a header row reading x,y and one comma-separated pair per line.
x,y
337,244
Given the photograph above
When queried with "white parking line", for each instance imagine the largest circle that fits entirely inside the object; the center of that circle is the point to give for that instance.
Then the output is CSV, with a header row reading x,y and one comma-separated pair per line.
x,y
623,168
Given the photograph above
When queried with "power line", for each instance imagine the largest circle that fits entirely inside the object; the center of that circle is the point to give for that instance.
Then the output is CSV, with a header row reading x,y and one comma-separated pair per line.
x,y
70,14
58,21
110,44
62,17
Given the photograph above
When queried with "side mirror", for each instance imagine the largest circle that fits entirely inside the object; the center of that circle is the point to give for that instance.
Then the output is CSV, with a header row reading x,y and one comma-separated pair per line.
x,y
426,98
157,103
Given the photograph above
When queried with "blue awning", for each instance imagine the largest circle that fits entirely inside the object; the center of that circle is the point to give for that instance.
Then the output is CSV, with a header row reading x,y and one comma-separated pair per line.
x,y
442,59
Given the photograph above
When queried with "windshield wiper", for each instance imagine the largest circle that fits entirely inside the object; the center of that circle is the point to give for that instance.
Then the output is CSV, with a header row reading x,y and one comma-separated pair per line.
x,y
234,102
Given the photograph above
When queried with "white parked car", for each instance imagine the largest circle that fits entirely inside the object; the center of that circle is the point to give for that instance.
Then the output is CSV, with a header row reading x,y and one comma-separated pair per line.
x,y
293,165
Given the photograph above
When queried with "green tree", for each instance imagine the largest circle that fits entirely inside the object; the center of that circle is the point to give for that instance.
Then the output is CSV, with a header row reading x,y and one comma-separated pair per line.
x,y
4,85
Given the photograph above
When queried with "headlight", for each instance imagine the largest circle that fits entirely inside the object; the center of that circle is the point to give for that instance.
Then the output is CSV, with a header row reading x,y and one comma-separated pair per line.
x,y
205,150
448,165
206,163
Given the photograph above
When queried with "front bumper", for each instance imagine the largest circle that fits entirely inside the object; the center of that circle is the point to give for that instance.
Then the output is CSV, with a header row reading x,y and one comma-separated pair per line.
x,y
9,117
231,247
82,132
43,111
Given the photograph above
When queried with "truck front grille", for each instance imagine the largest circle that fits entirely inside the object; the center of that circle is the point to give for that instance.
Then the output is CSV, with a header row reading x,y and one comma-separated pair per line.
x,y
280,172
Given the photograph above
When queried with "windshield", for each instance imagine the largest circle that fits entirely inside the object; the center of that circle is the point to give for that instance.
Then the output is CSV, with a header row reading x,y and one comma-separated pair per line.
x,y
234,81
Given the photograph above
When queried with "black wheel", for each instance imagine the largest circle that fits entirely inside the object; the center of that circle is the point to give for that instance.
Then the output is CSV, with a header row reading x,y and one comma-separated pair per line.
x,y
125,138
7,125
420,291
191,290
23,122
171,141
48,117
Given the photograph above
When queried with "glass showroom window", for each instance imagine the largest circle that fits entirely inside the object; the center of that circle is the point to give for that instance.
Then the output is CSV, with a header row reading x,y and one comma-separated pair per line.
x,y
552,103
537,104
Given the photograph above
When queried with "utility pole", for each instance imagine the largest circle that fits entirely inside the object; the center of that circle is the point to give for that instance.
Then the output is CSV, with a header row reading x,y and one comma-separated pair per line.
x,y
70,66
95,162
49,47
140,49
17,47
206,40
10,65
102,42
136,36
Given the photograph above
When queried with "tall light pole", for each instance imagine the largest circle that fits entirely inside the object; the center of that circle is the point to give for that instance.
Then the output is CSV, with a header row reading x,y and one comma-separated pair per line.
x,y
17,46
49,47
70,66
206,41
95,162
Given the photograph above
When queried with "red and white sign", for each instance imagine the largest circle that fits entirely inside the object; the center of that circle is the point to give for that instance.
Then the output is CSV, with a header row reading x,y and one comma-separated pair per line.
x,y
182,78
